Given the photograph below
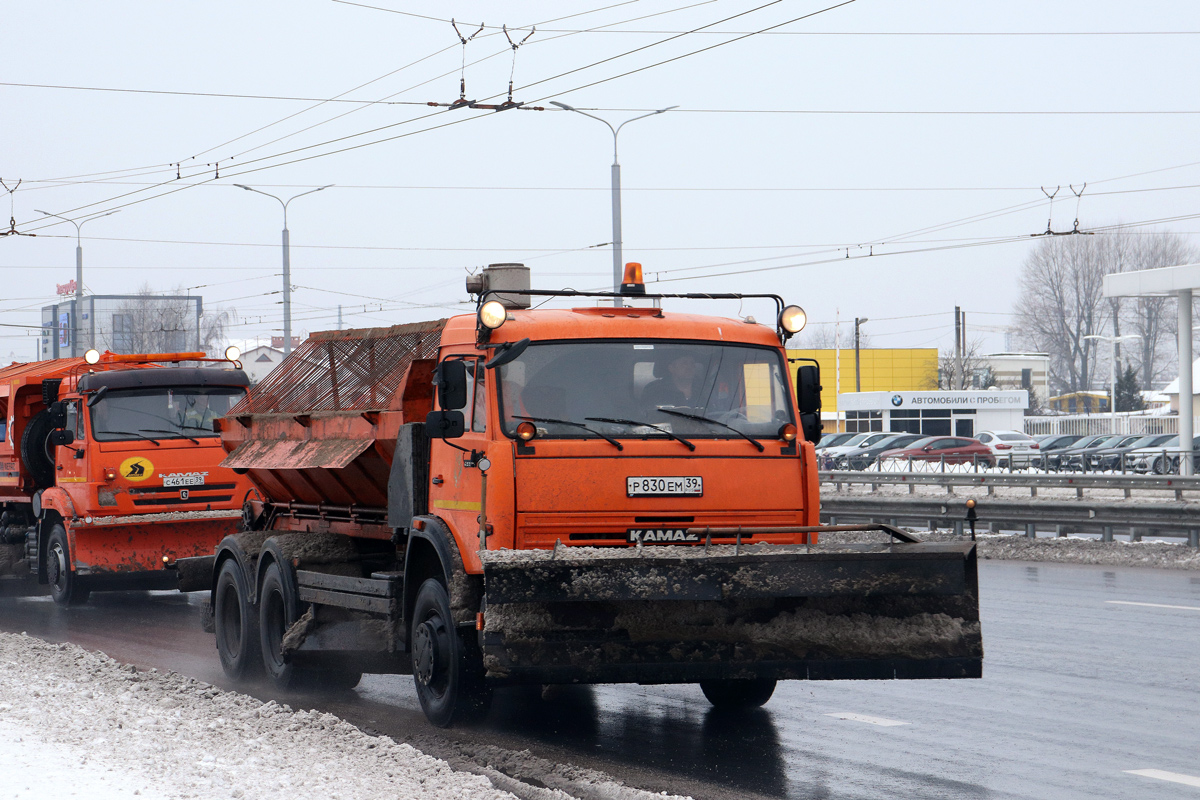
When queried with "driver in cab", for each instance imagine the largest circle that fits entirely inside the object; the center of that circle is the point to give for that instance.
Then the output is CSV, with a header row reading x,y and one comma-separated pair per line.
x,y
680,386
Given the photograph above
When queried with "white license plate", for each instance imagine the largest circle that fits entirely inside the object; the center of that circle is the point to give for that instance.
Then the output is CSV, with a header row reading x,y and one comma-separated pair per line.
x,y
186,479
664,486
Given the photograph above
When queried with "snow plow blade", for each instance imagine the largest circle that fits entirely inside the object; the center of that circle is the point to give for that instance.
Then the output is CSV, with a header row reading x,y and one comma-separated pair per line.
x,y
674,614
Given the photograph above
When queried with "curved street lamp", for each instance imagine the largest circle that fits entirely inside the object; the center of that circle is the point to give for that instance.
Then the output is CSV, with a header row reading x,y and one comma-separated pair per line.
x,y
76,328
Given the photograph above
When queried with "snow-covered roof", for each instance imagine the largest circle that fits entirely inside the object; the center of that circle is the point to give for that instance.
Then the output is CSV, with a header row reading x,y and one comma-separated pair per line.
x,y
1173,386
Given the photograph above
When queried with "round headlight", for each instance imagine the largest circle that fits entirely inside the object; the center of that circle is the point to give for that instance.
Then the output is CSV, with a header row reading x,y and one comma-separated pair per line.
x,y
793,319
493,314
92,356
233,352
526,431
788,432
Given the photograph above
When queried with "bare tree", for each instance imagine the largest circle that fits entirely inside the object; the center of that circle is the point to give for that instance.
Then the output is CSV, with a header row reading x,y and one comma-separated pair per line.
x,y
1153,318
1061,303
975,374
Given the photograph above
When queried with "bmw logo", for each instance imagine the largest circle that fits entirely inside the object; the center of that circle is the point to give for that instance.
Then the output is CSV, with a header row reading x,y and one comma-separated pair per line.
x,y
897,400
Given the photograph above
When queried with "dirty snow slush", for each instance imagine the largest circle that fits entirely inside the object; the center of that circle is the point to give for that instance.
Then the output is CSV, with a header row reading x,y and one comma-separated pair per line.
x,y
163,735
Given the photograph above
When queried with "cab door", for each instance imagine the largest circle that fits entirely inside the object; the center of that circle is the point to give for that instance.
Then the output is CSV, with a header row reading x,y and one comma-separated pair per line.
x,y
455,490
71,460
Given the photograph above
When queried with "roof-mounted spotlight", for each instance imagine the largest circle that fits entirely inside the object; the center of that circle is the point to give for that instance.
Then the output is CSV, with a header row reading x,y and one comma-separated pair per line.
x,y
233,353
492,314
92,356
793,319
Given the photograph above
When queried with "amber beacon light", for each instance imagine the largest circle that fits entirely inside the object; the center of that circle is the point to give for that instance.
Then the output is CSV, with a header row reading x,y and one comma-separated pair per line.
x,y
632,283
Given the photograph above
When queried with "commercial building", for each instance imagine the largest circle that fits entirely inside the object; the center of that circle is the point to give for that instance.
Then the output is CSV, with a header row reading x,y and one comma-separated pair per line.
x,y
122,324
1028,371
953,413
883,370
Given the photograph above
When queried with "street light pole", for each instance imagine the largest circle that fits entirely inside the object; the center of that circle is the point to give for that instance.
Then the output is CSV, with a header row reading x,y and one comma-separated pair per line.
x,y
857,372
618,255
76,327
1112,398
287,262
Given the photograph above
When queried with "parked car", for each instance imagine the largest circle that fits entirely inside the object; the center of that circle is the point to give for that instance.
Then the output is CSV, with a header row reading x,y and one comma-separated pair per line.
x,y
866,456
947,449
1111,458
1059,459
1010,447
1163,459
834,439
829,456
1082,459
1050,444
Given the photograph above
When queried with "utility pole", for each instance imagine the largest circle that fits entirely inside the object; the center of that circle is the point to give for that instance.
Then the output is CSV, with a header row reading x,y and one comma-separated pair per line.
x,y
76,327
339,316
857,346
618,254
958,350
287,262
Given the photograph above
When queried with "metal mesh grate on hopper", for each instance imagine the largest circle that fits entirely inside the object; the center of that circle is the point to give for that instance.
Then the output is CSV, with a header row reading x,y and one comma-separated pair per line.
x,y
356,370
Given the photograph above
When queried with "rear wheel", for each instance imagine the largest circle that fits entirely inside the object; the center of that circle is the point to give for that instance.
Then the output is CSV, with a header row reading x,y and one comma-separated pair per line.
x,y
447,667
731,694
66,587
235,621
278,610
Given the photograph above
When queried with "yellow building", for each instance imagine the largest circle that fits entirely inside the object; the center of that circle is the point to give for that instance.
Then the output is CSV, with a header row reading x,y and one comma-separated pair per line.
x,y
883,370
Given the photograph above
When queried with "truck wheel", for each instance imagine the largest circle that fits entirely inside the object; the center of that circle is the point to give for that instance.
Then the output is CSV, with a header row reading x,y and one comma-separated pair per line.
x,y
447,667
738,693
36,451
236,623
278,609
65,586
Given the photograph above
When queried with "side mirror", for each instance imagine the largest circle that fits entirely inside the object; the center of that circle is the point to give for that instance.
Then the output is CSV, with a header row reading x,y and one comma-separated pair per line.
x,y
58,414
97,396
927,448
808,389
509,352
60,438
450,378
445,424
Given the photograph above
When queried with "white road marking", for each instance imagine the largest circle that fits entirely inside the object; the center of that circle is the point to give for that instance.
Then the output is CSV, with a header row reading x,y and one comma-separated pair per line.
x,y
1163,775
887,723
1152,605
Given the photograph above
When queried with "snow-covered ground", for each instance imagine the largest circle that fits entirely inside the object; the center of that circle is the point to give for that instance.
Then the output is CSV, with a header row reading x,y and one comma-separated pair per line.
x,y
76,723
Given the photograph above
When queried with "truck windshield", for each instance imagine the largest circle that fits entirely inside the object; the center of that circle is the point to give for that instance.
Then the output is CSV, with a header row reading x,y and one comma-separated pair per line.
x,y
610,385
161,412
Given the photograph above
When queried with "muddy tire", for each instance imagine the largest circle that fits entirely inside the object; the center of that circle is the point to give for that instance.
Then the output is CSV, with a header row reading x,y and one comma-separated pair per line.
x,y
66,587
733,694
235,621
447,667
36,451
278,610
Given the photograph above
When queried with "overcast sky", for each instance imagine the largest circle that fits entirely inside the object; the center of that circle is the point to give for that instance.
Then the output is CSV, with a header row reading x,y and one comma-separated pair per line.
x,y
714,200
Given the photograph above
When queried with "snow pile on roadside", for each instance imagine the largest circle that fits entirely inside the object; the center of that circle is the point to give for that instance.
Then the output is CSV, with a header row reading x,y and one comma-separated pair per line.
x,y
168,736
1062,550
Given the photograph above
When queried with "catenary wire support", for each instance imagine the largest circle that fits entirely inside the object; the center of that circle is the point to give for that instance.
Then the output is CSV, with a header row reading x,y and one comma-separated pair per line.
x,y
462,75
1078,201
12,213
515,46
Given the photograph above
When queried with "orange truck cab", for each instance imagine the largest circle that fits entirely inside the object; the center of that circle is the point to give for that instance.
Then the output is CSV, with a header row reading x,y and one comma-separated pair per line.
x,y
109,471
595,494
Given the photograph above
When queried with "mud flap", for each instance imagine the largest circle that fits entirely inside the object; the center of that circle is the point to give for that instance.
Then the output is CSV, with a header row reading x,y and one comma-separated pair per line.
x,y
676,615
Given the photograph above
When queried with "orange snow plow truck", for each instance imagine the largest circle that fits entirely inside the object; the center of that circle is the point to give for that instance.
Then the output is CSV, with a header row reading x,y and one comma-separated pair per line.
x,y
587,495
109,471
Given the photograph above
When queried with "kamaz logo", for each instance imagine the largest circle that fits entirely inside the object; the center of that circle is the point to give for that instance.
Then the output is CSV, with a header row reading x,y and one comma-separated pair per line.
x,y
661,535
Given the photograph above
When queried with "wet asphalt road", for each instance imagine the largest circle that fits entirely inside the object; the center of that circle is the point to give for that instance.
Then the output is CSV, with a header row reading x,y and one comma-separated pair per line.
x,y
1078,690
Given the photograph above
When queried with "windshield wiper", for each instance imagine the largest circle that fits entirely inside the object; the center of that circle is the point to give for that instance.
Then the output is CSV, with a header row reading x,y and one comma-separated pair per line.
x,y
608,439
135,433
181,435
634,422
747,437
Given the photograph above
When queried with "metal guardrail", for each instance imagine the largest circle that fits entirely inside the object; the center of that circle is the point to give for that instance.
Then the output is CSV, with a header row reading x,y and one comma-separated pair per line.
x,y
1105,517
1032,481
